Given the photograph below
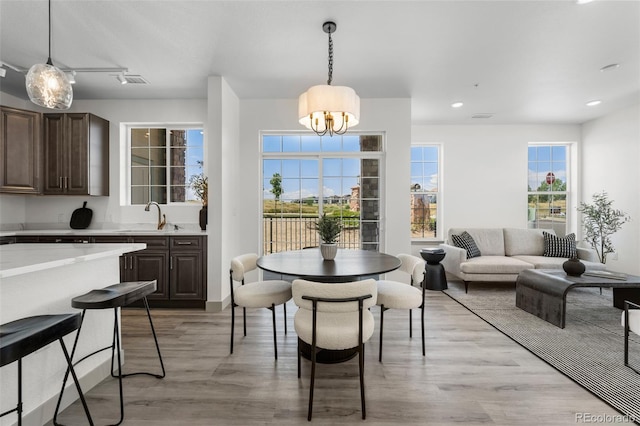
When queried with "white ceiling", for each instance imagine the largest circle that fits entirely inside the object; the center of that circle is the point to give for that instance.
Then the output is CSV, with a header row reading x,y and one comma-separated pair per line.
x,y
523,61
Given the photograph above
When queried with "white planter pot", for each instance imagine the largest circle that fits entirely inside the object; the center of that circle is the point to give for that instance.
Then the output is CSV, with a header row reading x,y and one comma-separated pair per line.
x,y
328,251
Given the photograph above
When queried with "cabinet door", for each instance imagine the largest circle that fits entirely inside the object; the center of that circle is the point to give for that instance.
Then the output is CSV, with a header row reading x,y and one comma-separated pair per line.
x,y
186,276
54,173
76,129
20,151
149,265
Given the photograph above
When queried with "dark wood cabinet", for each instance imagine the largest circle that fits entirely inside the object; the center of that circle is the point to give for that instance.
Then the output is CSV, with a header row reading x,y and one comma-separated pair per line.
x,y
186,265
149,264
20,151
76,154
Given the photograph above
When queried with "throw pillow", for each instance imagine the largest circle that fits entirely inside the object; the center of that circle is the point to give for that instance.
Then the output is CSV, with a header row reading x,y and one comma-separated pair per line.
x,y
559,246
466,242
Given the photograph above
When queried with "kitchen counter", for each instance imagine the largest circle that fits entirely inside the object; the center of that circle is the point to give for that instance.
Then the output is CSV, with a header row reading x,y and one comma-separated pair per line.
x,y
19,259
128,231
41,279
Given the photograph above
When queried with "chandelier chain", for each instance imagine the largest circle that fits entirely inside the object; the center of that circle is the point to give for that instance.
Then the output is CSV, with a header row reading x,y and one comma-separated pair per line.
x,y
330,60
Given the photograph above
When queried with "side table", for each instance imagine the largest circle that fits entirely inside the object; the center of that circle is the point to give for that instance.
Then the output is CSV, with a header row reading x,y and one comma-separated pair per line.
x,y
434,273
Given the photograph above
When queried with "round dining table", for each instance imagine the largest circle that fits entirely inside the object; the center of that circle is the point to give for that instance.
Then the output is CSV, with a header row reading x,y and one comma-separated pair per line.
x,y
348,265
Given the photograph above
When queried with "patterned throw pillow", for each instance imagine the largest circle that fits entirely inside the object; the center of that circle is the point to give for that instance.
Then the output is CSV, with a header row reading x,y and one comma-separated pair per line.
x,y
466,242
559,246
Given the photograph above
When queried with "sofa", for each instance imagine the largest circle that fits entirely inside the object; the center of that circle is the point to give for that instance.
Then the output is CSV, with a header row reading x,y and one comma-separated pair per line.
x,y
502,253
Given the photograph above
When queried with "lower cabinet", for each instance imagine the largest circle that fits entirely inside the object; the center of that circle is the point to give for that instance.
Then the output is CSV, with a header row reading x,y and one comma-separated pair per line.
x,y
178,263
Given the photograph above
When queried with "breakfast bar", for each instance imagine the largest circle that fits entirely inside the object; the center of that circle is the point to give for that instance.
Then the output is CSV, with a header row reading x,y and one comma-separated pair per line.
x,y
40,279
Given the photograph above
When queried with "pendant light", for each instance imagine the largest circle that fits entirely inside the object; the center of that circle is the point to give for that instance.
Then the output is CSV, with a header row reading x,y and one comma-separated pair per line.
x,y
326,108
47,85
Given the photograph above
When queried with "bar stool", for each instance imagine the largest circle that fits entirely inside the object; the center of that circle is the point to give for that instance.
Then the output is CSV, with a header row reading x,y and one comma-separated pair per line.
x,y
24,336
114,297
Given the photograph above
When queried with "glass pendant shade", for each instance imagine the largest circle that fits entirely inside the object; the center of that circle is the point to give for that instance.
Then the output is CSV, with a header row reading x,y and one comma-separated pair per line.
x,y
325,108
49,87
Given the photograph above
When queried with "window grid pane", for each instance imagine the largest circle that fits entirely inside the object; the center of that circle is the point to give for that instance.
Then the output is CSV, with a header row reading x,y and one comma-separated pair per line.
x,y
547,187
163,162
424,191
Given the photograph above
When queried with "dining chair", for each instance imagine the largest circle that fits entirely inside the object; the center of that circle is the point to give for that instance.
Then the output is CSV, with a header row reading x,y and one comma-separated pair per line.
x,y
631,322
334,317
258,294
402,295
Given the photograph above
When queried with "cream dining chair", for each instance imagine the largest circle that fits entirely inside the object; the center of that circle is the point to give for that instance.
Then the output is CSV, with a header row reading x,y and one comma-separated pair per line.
x,y
334,317
259,294
402,295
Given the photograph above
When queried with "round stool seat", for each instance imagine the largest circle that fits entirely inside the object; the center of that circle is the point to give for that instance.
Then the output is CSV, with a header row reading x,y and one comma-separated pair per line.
x,y
114,296
26,335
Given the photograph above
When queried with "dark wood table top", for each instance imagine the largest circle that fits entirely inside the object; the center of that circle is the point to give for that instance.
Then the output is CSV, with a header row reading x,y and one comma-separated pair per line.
x,y
348,264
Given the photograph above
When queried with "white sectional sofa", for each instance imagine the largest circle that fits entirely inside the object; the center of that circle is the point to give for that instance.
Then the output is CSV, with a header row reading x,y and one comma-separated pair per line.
x,y
505,252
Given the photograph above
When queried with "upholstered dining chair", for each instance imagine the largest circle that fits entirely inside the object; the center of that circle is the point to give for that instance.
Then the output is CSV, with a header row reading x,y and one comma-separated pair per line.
x,y
401,295
258,294
333,317
631,322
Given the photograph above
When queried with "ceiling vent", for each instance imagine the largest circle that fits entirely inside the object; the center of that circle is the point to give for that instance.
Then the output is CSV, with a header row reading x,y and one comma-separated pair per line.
x,y
482,115
135,79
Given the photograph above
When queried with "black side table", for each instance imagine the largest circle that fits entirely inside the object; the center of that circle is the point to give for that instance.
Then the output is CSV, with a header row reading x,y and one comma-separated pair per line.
x,y
434,275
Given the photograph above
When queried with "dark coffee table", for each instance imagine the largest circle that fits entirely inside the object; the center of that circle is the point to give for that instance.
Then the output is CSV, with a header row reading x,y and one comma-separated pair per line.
x,y
435,276
543,293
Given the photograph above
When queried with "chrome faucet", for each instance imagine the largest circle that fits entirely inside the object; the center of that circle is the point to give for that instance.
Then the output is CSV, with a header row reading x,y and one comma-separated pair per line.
x,y
162,219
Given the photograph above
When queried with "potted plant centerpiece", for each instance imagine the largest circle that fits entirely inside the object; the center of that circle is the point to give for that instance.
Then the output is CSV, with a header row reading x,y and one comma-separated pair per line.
x,y
329,228
200,185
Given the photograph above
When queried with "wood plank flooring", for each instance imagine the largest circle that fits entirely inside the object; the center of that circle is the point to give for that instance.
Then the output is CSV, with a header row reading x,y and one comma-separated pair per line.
x,y
472,375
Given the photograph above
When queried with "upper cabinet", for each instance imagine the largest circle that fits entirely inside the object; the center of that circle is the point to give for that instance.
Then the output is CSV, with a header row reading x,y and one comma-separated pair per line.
x,y
20,151
76,154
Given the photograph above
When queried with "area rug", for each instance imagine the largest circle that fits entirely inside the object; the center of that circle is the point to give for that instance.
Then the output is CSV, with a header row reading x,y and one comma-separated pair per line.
x,y
589,350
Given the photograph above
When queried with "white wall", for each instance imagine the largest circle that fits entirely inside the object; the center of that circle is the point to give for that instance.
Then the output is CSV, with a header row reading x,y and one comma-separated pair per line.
x,y
484,171
610,159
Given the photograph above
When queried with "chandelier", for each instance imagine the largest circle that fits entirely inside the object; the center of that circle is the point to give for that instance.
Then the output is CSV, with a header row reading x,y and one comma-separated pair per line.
x,y
47,85
329,109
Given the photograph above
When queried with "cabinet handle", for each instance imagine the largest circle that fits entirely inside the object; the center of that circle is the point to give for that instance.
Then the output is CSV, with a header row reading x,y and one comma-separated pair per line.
x,y
170,262
184,243
66,182
60,182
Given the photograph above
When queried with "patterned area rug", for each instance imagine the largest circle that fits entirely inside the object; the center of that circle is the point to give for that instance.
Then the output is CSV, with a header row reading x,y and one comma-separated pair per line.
x,y
589,350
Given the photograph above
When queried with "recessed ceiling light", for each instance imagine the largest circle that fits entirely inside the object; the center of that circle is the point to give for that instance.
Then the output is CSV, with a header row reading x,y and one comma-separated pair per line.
x,y
583,1
609,67
594,102
456,104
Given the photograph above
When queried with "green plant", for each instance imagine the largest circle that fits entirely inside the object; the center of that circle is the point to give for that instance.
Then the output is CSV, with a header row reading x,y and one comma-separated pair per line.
x,y
200,184
600,221
329,228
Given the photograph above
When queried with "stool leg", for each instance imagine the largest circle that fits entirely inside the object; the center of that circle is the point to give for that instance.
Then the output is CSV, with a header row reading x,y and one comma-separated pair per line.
x,y
117,344
77,382
66,374
155,339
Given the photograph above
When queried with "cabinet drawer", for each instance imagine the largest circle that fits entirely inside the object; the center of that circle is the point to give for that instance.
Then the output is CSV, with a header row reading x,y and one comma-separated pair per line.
x,y
186,243
111,239
153,242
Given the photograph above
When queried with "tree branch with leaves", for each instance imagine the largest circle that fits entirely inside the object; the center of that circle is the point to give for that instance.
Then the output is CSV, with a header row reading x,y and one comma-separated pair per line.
x,y
600,221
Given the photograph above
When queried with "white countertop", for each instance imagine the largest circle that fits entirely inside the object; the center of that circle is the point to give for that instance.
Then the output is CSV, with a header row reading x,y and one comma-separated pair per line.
x,y
80,232
19,259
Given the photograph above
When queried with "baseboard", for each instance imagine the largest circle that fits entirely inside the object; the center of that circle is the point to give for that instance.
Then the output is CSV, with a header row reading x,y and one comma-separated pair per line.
x,y
218,306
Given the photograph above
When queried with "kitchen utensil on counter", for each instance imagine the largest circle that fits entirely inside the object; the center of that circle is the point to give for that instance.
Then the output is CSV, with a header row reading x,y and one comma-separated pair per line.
x,y
81,218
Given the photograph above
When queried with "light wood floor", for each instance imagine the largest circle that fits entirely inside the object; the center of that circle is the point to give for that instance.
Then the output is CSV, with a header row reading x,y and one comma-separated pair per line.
x,y
472,374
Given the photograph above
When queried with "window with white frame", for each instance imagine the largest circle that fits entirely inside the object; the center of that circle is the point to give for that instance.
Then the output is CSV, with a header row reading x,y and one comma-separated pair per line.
x,y
548,186
305,176
163,160
425,191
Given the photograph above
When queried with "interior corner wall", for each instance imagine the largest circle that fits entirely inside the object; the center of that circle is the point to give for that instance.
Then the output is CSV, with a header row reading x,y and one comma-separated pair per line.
x,y
391,116
223,157
610,158
484,170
